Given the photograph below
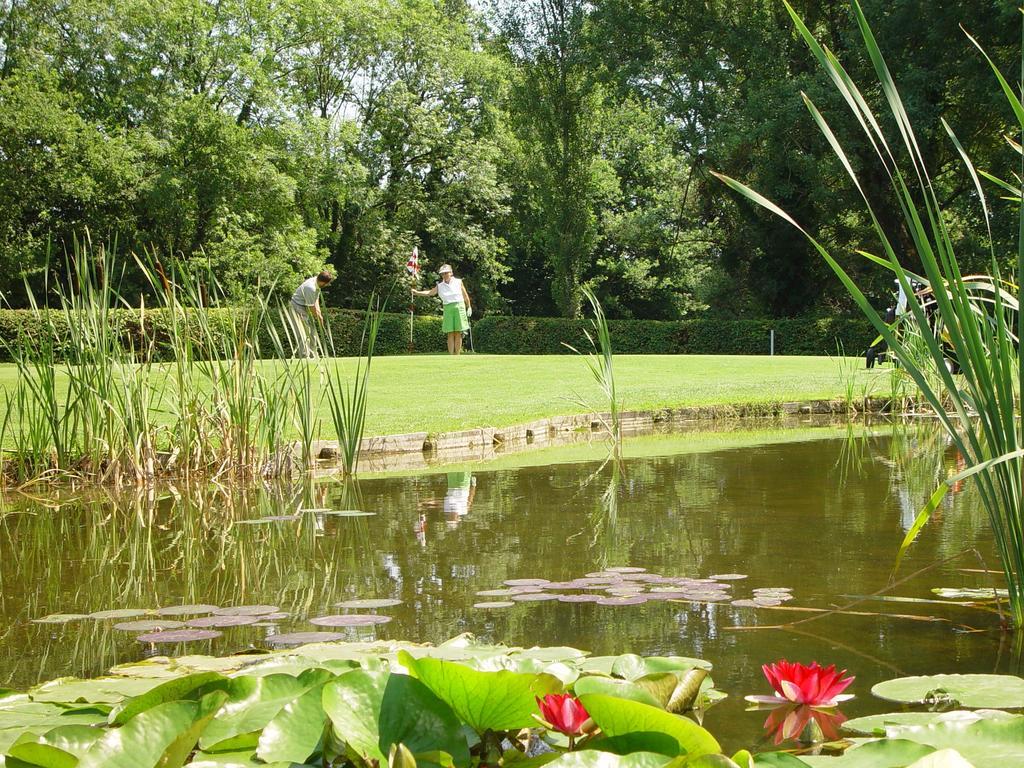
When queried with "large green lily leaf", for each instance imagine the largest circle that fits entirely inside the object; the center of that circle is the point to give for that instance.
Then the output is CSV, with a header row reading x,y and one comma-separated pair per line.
x,y
38,718
176,689
970,691
76,739
495,701
252,703
983,742
104,690
629,666
163,736
875,725
778,760
295,731
43,755
886,753
245,758
944,758
620,717
371,711
591,758
610,686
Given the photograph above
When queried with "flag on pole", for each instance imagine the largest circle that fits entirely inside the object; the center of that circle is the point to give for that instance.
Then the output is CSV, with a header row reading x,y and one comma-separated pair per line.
x,y
412,266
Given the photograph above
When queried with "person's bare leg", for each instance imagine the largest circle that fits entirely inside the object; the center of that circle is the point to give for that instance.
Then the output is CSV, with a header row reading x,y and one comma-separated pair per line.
x,y
451,343
458,342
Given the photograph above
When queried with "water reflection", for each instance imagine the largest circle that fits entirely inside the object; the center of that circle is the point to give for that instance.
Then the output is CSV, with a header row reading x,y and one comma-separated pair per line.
x,y
803,724
820,516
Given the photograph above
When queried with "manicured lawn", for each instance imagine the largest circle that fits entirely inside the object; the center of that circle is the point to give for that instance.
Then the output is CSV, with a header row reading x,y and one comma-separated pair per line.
x,y
434,393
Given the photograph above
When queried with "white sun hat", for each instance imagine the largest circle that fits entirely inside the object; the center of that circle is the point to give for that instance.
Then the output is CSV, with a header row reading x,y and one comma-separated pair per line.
x,y
444,268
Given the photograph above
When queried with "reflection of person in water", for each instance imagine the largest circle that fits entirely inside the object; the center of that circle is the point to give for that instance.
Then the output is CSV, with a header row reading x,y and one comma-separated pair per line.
x,y
459,498
421,530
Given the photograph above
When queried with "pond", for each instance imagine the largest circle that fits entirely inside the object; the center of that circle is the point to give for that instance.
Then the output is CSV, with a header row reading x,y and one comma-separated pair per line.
x,y
818,511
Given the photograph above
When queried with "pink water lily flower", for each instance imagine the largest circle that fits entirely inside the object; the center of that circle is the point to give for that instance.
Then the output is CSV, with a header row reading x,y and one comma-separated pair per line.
x,y
563,712
813,685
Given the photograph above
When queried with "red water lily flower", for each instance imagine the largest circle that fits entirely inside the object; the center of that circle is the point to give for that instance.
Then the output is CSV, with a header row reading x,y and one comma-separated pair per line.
x,y
813,685
563,712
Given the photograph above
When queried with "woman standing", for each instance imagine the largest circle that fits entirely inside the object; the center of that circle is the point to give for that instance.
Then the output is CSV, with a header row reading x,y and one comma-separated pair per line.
x,y
457,307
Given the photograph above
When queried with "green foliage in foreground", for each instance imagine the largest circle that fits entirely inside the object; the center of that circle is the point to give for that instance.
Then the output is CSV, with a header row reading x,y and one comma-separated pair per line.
x,y
961,349
358,705
458,705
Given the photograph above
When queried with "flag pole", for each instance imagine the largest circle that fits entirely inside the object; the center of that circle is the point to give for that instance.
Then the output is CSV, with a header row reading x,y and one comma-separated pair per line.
x,y
413,268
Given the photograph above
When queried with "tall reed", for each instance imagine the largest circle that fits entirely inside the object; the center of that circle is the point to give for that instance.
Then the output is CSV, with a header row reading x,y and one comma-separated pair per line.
x,y
92,401
347,399
600,361
973,321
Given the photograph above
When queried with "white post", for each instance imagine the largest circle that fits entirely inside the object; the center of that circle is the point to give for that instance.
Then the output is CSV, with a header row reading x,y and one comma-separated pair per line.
x,y
771,348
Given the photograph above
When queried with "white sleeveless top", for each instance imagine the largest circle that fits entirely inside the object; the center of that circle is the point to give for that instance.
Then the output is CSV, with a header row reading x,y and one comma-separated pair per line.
x,y
450,292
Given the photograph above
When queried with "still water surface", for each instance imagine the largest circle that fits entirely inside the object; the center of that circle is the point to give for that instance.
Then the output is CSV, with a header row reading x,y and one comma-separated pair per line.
x,y
817,511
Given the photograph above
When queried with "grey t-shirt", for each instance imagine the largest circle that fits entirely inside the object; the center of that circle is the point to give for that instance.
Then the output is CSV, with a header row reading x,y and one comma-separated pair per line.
x,y
307,294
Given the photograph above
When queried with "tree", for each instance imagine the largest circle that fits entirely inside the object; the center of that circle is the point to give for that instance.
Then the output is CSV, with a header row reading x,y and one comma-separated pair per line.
x,y
60,176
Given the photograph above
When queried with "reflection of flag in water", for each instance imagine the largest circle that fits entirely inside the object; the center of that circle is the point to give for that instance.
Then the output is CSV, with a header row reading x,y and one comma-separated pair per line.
x,y
412,266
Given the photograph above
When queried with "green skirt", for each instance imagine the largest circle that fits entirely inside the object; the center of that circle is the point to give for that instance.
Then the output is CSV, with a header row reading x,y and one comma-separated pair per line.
x,y
455,318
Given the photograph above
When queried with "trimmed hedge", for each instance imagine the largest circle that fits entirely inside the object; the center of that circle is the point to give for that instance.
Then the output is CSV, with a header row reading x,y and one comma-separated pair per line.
x,y
152,331
546,336
503,335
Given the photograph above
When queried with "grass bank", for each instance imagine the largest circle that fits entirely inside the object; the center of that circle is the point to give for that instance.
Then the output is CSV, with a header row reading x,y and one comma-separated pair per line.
x,y
436,393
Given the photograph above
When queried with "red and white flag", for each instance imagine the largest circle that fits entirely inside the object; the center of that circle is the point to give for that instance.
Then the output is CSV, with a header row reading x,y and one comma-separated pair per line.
x,y
412,266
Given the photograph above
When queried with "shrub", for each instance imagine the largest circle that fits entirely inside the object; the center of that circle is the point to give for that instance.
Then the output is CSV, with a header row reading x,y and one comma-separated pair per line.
x,y
507,335
546,335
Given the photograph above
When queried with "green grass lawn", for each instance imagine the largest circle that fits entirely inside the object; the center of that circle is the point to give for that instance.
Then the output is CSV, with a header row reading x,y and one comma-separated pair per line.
x,y
435,393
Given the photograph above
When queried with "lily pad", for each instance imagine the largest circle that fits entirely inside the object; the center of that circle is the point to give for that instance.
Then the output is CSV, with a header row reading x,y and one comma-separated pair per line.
x,y
968,691
534,597
185,610
372,711
149,625
268,519
383,602
121,613
495,604
665,594
525,582
635,723
204,622
578,598
625,569
963,593
350,620
60,618
301,638
269,617
178,636
876,725
634,600
246,610
496,701
746,604
496,592
728,576
980,743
